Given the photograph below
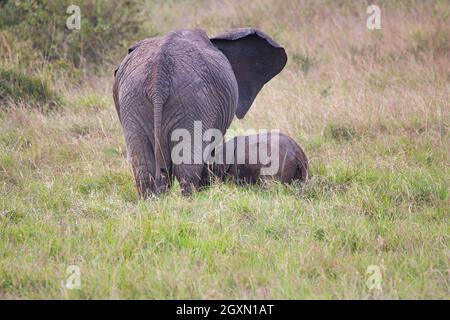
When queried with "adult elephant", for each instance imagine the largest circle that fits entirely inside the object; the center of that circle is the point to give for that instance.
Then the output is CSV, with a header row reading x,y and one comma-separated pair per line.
x,y
167,83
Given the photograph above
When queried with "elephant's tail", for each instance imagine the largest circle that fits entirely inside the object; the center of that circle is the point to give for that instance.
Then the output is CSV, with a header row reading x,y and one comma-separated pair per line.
x,y
160,167
158,93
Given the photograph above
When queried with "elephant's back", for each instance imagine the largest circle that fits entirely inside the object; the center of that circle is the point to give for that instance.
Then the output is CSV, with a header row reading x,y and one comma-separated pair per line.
x,y
132,74
184,58
202,78
188,71
139,57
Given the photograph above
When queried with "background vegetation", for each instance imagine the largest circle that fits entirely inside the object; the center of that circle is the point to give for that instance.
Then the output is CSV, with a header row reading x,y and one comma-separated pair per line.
x,y
370,108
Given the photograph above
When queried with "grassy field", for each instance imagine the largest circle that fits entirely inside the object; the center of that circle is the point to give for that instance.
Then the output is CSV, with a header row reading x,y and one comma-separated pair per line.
x,y
370,108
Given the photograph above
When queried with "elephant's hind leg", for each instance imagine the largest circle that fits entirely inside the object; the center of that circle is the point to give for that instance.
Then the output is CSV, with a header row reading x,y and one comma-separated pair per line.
x,y
190,176
140,152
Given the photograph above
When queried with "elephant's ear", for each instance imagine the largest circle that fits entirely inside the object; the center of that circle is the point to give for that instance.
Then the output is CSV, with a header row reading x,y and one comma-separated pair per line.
x,y
255,59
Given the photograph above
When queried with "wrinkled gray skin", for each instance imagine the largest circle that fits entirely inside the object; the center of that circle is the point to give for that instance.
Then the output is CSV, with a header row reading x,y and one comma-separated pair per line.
x,y
293,163
169,82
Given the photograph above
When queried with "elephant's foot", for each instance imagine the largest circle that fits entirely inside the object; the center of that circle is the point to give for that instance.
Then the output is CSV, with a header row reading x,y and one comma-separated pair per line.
x,y
190,178
187,189
149,188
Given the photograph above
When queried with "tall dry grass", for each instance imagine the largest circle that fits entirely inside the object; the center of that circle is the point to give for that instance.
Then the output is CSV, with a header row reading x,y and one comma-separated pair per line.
x,y
339,70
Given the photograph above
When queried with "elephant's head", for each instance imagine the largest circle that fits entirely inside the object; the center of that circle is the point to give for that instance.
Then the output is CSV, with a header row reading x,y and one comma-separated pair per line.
x,y
255,59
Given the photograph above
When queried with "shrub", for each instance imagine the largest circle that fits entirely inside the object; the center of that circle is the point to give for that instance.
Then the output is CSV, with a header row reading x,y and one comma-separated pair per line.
x,y
16,86
105,26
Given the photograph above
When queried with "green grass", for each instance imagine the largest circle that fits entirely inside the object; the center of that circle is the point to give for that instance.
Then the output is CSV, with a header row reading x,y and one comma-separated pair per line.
x,y
370,110
386,206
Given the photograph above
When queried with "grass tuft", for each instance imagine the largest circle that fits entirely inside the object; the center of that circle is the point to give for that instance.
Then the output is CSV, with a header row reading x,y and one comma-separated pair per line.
x,y
17,87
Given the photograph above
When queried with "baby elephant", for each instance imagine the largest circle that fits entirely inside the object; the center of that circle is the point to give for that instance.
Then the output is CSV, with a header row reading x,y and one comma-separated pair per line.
x,y
247,159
